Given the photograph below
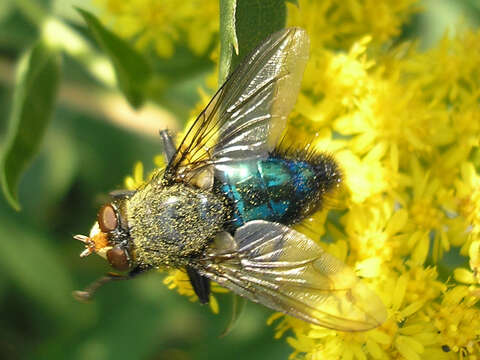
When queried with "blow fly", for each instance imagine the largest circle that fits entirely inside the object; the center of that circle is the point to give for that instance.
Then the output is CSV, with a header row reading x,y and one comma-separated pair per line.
x,y
222,207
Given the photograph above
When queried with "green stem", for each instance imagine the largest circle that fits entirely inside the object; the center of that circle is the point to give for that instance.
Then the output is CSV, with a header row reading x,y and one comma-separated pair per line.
x,y
228,38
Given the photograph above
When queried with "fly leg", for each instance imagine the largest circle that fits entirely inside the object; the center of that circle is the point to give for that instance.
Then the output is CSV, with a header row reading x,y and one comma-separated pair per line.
x,y
200,284
89,292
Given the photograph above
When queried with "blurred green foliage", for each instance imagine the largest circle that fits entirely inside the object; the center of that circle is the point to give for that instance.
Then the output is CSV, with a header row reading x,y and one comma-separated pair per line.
x,y
81,158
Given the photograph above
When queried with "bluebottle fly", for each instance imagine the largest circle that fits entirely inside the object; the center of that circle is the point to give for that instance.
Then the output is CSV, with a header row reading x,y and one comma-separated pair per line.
x,y
222,207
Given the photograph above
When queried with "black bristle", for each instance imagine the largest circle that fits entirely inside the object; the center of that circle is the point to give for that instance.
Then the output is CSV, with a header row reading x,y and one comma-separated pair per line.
x,y
328,178
325,165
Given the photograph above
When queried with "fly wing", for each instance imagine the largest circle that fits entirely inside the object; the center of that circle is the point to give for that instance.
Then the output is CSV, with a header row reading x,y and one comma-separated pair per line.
x,y
284,270
247,115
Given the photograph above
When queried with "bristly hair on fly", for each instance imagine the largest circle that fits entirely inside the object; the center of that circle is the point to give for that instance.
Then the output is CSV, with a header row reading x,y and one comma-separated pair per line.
x,y
329,173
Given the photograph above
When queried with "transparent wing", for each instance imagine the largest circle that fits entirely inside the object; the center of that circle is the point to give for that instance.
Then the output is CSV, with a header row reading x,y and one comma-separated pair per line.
x,y
246,117
283,269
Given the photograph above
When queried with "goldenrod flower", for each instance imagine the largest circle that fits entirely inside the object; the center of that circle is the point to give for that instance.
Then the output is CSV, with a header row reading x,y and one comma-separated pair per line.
x,y
468,195
137,179
178,279
338,24
458,322
376,231
471,276
407,134
161,24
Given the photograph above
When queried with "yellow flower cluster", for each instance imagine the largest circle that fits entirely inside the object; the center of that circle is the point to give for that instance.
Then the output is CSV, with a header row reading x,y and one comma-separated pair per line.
x,y
161,24
338,24
405,127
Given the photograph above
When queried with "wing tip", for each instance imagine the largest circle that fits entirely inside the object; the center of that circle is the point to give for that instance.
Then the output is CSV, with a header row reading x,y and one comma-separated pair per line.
x,y
298,34
370,304
368,322
380,316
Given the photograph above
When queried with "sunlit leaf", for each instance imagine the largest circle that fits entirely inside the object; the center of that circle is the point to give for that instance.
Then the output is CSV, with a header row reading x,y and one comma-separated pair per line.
x,y
33,100
132,69
253,21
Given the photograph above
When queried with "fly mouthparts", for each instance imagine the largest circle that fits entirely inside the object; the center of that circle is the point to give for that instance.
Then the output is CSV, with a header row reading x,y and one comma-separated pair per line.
x,y
85,252
82,238
89,244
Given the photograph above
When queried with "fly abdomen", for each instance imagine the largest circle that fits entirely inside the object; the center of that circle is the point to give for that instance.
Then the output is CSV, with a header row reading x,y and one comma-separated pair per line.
x,y
283,188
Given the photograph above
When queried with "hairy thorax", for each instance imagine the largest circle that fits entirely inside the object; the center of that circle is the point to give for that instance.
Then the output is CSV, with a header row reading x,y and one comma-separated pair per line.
x,y
170,225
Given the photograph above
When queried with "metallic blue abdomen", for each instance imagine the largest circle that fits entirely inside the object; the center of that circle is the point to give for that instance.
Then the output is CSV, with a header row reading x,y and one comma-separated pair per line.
x,y
276,189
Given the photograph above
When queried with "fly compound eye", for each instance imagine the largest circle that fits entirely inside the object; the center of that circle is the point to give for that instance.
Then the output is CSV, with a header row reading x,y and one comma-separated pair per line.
x,y
117,257
107,218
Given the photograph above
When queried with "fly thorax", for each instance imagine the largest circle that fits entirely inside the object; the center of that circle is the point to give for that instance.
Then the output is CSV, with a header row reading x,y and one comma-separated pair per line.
x,y
170,225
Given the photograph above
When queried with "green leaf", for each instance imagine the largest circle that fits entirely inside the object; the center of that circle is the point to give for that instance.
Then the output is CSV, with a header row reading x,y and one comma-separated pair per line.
x,y
30,261
33,100
132,69
244,25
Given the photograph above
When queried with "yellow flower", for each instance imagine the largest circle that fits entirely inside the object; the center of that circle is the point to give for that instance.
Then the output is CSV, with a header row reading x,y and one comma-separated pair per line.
x,y
466,276
428,217
407,333
338,24
406,138
458,322
364,177
178,279
137,179
161,24
468,195
375,231
333,84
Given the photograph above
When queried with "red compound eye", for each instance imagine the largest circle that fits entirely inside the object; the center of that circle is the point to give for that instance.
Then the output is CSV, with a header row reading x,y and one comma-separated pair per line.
x,y
107,218
117,257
